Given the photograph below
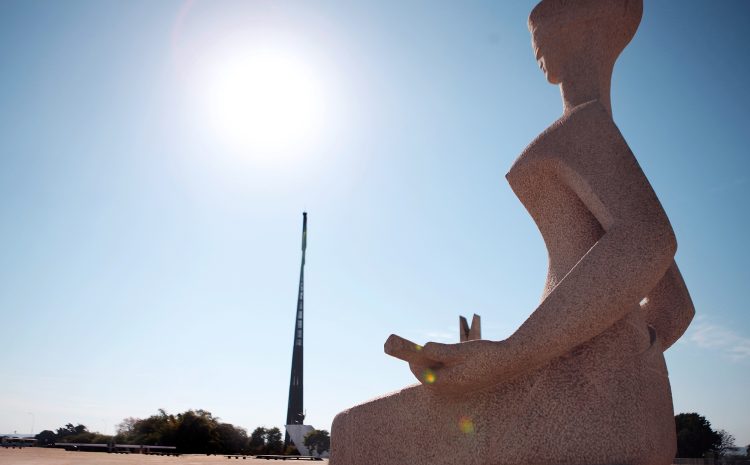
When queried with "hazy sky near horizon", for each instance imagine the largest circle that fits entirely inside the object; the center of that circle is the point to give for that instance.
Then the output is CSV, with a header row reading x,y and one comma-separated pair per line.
x,y
151,250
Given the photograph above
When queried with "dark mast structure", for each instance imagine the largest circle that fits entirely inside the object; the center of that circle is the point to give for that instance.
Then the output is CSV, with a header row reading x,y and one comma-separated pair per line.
x,y
295,414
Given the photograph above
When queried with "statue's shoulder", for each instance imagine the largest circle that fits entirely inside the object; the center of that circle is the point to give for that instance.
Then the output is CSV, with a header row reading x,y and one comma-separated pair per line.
x,y
587,127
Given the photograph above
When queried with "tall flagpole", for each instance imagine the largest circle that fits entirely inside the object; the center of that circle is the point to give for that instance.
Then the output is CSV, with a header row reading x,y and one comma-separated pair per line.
x,y
295,414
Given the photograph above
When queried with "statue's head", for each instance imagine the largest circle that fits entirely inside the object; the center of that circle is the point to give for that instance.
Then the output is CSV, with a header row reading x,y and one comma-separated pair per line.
x,y
573,35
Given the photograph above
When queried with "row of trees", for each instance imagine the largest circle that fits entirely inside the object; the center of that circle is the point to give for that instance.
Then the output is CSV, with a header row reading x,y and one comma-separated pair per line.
x,y
696,438
198,431
70,433
192,432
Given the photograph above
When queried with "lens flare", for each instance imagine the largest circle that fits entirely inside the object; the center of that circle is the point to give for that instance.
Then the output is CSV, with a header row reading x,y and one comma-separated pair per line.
x,y
466,425
429,376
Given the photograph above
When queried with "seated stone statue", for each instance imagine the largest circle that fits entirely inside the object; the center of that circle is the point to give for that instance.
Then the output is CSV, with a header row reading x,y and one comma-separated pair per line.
x,y
583,379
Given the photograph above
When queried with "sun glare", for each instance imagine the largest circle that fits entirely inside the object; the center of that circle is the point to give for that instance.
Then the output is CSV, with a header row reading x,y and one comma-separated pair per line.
x,y
262,101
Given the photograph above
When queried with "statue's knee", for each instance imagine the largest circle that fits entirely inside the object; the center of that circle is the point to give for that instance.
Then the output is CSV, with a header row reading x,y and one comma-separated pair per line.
x,y
339,424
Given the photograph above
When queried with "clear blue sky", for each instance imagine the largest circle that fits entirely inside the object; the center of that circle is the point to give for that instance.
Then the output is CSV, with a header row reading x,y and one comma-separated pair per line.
x,y
147,263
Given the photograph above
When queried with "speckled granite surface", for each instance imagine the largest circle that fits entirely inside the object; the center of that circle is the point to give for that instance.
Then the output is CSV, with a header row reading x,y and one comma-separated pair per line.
x,y
583,380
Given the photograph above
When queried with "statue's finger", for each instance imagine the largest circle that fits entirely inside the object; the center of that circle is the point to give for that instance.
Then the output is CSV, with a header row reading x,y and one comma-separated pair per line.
x,y
440,352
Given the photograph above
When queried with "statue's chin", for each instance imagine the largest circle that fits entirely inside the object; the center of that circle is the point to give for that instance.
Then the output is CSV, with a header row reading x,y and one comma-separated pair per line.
x,y
551,78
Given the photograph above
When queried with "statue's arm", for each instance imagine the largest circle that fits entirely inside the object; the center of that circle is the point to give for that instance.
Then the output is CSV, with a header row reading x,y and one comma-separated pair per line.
x,y
630,260
627,262
669,308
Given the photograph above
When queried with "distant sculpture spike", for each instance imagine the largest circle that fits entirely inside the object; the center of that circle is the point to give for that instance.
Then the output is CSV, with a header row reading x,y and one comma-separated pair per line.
x,y
295,414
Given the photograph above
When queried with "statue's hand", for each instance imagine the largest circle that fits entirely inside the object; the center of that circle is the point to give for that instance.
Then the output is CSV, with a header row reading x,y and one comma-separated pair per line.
x,y
464,367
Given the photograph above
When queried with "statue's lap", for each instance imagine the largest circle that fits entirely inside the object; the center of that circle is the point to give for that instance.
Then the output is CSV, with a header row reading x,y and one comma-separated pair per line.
x,y
607,402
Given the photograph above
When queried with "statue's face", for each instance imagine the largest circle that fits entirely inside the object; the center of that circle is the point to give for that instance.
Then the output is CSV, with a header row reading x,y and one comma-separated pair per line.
x,y
565,45
570,37
548,51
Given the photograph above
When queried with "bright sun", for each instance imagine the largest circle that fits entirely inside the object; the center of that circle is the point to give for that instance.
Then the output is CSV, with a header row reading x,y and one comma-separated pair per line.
x,y
262,101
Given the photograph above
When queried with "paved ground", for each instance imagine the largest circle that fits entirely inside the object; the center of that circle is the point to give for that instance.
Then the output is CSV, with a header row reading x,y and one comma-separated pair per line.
x,y
41,456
